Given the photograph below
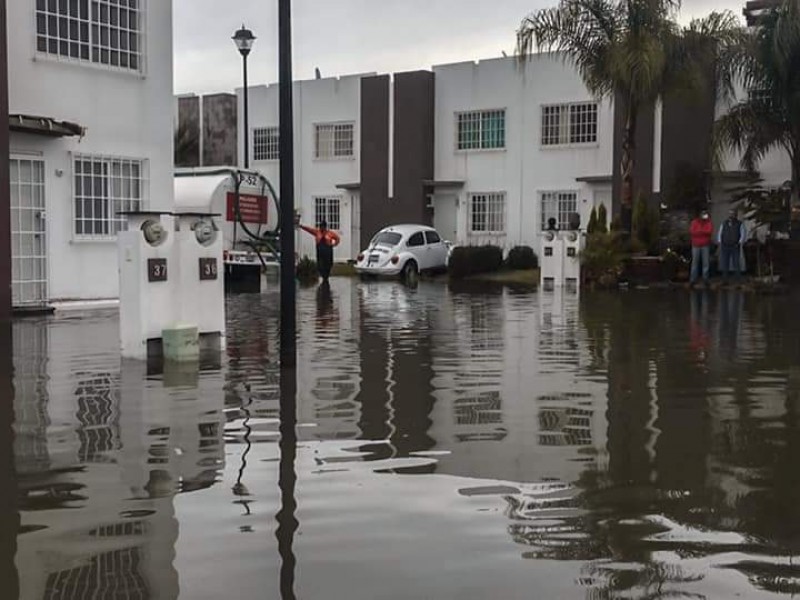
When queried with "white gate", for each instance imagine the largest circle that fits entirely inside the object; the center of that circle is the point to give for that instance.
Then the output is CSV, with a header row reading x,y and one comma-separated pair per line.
x,y
28,240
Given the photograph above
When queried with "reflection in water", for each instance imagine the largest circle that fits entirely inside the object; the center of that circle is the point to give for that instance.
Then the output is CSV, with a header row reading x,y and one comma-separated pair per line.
x,y
9,515
240,489
287,523
493,443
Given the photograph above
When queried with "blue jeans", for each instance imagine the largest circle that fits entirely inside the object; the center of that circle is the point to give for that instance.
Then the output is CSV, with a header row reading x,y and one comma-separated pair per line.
x,y
729,260
700,255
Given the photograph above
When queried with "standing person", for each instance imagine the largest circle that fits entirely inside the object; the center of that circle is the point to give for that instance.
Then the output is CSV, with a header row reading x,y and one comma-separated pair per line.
x,y
551,224
701,230
731,238
326,240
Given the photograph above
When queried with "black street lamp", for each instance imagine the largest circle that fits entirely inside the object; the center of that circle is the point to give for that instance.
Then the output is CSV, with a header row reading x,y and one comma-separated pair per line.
x,y
244,40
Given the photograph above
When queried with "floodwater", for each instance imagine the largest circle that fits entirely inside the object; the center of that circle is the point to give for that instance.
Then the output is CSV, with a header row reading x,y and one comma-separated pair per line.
x,y
469,444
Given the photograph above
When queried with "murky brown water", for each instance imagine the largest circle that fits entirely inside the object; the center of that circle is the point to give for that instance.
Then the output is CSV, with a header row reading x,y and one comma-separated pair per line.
x,y
485,444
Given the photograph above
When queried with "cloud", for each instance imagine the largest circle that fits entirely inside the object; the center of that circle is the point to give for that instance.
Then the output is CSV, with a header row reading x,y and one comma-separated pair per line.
x,y
351,36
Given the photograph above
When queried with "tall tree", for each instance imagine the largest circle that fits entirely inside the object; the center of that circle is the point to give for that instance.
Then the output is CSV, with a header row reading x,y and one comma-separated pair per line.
x,y
767,65
631,51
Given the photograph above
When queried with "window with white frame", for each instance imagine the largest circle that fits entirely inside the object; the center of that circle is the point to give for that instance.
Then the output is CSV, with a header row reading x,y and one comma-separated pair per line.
x,y
105,187
266,143
106,32
569,124
326,208
558,206
334,140
760,96
487,213
481,130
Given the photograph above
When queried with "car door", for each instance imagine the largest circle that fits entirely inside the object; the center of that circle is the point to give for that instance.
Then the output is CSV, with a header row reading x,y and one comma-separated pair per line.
x,y
436,250
416,246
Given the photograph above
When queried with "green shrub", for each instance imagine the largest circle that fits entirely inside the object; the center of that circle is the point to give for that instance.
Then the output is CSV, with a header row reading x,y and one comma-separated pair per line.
x,y
306,270
471,260
592,226
602,219
522,258
603,258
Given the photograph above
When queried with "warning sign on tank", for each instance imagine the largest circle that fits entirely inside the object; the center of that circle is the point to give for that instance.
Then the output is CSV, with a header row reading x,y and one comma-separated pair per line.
x,y
252,209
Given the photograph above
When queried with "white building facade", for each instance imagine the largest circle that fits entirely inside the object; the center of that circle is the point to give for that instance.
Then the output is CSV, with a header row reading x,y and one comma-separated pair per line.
x,y
520,143
327,153
498,148
512,144
91,136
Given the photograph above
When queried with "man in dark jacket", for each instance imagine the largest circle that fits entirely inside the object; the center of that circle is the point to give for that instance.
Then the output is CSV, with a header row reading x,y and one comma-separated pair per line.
x,y
730,238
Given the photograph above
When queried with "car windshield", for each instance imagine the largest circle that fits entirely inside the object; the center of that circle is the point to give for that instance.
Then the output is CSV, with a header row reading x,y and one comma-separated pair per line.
x,y
387,238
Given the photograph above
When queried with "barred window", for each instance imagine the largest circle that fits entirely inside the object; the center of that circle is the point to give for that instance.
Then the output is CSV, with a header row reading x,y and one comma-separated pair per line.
x,y
326,208
558,206
760,96
266,143
564,124
487,213
107,32
334,140
104,187
481,130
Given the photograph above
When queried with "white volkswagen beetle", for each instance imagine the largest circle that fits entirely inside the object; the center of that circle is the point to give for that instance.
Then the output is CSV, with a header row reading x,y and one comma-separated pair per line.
x,y
403,250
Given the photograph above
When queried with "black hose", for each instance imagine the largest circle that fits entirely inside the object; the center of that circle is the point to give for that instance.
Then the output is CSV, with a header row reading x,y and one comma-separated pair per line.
x,y
265,239
238,212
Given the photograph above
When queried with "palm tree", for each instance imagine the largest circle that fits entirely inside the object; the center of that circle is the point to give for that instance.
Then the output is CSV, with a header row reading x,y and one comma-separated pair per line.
x,y
768,66
631,51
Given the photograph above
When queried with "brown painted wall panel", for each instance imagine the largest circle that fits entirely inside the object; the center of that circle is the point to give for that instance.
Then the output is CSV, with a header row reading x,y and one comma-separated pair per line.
x,y
688,125
374,154
643,167
187,145
219,130
414,102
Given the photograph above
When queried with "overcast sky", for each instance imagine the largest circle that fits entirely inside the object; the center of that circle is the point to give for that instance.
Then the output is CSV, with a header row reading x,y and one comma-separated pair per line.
x,y
351,36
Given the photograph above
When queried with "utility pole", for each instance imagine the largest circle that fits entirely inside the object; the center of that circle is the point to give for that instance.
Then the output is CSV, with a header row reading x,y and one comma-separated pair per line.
x,y
5,188
288,304
287,522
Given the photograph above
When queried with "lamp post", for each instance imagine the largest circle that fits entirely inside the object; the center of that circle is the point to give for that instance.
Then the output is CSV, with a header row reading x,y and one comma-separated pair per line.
x,y
288,314
244,40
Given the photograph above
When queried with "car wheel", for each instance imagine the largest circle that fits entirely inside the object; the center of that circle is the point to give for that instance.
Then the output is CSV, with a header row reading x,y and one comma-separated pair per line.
x,y
410,270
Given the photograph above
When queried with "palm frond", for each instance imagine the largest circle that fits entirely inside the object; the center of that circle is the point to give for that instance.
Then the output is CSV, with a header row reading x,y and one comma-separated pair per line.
x,y
751,128
580,32
719,42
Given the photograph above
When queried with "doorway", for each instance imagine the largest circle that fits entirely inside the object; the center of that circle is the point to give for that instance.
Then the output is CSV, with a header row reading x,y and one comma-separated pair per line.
x,y
445,217
28,234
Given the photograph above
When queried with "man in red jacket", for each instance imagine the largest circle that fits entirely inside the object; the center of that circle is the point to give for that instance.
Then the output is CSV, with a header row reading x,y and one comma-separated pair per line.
x,y
701,231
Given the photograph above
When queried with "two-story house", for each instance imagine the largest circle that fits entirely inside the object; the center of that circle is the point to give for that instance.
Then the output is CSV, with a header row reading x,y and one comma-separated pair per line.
x,y
90,102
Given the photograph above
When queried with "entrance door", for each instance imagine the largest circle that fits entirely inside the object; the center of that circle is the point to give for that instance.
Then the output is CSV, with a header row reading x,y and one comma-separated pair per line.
x,y
445,217
28,241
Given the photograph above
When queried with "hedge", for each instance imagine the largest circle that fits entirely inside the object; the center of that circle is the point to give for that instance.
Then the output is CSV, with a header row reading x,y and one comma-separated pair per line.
x,y
521,258
472,260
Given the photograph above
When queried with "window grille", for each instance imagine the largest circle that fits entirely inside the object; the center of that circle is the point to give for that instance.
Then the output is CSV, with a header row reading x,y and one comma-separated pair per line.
x,y
103,32
569,124
481,130
487,213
